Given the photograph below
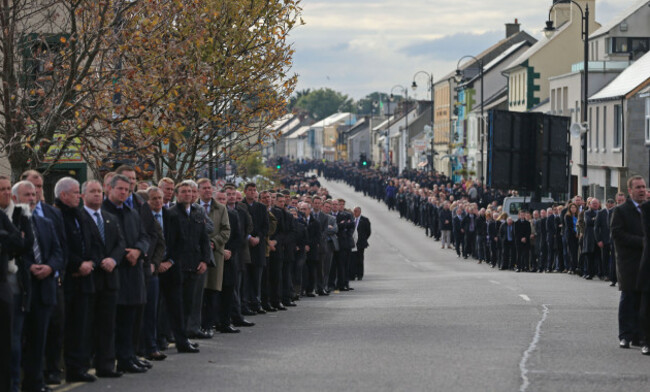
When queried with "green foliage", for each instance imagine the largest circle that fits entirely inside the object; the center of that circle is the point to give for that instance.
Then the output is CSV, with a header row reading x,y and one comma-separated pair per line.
x,y
324,102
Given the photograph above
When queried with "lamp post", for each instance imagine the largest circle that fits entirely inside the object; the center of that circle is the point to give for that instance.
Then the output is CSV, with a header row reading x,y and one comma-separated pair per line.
x,y
459,77
402,157
415,86
549,30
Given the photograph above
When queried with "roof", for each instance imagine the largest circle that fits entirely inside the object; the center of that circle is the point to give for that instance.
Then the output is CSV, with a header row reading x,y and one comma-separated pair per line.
x,y
333,119
536,48
512,49
360,125
301,131
633,76
619,18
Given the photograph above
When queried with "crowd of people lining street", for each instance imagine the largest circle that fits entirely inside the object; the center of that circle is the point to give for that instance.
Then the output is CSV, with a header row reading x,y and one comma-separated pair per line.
x,y
113,272
579,237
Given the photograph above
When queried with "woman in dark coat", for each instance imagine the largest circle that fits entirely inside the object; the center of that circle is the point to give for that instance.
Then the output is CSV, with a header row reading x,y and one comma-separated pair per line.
x,y
571,235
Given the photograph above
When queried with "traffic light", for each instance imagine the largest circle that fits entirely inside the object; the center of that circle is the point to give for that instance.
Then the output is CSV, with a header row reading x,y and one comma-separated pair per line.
x,y
279,165
363,162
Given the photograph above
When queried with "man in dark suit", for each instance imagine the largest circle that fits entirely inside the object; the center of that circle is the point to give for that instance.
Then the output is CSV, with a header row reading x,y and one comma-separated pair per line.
x,y
493,240
457,224
627,236
540,240
345,224
45,260
328,242
643,282
551,251
132,293
106,251
257,248
276,259
362,233
507,238
589,247
188,243
603,239
229,269
54,343
312,248
79,285
522,241
468,228
16,240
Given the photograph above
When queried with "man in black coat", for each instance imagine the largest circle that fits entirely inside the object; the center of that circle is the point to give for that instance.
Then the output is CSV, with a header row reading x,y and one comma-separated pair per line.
x,y
522,241
132,293
468,228
627,235
79,286
362,233
188,244
15,241
231,254
494,240
458,234
106,251
603,239
551,251
345,223
312,248
276,258
257,248
589,247
507,238
45,260
54,343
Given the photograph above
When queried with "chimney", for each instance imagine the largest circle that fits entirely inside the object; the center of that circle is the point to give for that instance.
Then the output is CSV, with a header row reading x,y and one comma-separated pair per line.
x,y
512,28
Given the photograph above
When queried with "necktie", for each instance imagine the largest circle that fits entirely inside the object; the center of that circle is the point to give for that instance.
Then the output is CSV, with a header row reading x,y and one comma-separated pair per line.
x,y
37,249
158,218
100,225
129,201
207,207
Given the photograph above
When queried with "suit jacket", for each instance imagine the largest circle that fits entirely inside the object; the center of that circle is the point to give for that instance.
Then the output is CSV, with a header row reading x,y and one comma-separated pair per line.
x,y
493,232
188,244
589,236
313,238
601,226
467,222
345,223
551,228
260,216
643,279
522,230
445,215
503,233
363,232
219,217
457,223
233,244
132,287
111,247
157,246
51,254
55,216
627,234
328,230
16,245
77,249
245,217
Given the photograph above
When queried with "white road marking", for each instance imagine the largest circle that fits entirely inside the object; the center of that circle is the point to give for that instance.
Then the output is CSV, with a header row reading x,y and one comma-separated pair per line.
x,y
524,297
533,345
495,282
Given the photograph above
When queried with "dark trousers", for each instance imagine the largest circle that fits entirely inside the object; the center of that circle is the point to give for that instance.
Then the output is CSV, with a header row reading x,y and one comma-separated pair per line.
x,y
327,255
125,320
356,264
189,287
523,253
265,289
35,333
171,291
224,305
15,332
298,272
287,278
148,334
342,258
612,265
54,342
458,242
235,305
78,329
592,260
480,248
509,254
572,253
470,241
603,262
275,276
6,335
104,314
644,317
313,275
253,283
628,315
549,262
210,309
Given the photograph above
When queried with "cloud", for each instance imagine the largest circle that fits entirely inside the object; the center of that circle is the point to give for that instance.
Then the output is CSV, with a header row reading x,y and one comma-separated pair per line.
x,y
453,46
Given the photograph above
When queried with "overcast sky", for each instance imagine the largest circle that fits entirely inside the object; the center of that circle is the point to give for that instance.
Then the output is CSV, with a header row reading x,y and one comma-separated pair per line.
x,y
360,46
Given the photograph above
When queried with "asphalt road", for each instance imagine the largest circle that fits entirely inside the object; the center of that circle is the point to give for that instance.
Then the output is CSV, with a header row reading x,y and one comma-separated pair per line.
x,y
421,320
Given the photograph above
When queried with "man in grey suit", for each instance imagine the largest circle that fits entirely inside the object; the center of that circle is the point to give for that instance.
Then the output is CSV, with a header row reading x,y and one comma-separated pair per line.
x,y
329,241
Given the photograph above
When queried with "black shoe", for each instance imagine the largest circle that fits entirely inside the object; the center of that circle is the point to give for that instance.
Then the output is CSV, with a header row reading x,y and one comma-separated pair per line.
x,y
261,311
79,377
323,293
624,343
171,339
289,303
344,289
248,312
269,308
645,350
243,323
201,335
279,306
52,379
229,329
613,284
156,356
130,367
143,363
188,347
310,295
350,288
108,374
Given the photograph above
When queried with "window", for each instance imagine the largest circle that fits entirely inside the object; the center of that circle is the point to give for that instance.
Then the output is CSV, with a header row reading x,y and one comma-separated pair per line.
x,y
629,45
565,101
604,127
647,120
618,126
591,128
597,128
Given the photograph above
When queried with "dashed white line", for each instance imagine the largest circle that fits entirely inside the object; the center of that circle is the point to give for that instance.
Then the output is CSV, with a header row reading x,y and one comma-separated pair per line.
x,y
525,297
533,345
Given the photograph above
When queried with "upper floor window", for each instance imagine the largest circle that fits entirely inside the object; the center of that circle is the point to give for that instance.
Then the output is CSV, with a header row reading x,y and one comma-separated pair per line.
x,y
629,45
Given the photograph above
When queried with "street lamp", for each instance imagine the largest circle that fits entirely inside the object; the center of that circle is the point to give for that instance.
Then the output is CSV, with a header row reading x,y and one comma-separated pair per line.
x,y
406,127
459,77
414,86
549,30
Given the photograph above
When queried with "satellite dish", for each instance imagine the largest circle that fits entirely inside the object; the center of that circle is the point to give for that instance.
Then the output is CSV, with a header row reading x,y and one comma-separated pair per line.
x,y
577,129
